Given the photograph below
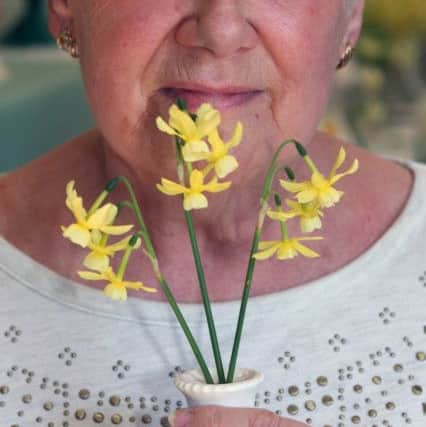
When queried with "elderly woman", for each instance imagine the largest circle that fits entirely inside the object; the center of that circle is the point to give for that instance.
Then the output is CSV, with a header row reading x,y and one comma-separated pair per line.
x,y
340,339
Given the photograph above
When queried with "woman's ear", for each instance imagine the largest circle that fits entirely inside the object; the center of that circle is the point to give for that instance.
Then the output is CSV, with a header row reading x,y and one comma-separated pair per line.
x,y
354,23
60,16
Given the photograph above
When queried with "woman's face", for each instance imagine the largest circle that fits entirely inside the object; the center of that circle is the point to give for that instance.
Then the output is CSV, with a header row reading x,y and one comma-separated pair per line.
x,y
267,63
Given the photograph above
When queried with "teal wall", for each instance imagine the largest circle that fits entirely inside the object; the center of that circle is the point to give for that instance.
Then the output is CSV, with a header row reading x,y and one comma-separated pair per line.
x,y
42,104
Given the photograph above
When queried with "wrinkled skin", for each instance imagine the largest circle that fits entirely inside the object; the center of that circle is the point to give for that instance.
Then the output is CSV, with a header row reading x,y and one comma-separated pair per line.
x,y
287,49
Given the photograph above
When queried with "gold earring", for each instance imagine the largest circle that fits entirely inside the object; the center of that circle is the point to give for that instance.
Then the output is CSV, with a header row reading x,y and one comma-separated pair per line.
x,y
346,57
66,41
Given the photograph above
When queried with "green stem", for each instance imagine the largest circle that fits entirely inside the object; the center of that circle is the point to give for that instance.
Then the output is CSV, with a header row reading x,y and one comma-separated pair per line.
x,y
273,168
200,272
284,232
245,296
97,202
283,226
205,297
182,322
124,261
164,286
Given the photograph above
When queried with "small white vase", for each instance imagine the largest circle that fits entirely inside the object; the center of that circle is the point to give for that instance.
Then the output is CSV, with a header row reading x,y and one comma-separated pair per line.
x,y
240,393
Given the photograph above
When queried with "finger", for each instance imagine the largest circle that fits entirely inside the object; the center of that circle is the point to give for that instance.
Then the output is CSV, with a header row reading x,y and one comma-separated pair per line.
x,y
218,416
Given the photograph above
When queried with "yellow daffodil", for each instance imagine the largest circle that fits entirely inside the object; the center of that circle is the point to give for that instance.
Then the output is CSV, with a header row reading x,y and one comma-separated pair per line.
x,y
193,197
101,219
285,248
117,287
320,189
219,159
191,132
98,258
309,215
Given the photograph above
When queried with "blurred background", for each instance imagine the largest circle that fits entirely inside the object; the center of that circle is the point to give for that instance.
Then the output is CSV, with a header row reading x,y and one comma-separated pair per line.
x,y
379,102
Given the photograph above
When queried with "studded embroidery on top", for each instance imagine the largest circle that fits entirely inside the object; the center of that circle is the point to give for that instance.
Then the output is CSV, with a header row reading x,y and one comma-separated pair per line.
x,y
365,392
301,400
296,400
62,403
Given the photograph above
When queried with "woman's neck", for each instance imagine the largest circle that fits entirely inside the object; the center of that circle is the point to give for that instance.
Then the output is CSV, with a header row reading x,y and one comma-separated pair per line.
x,y
34,210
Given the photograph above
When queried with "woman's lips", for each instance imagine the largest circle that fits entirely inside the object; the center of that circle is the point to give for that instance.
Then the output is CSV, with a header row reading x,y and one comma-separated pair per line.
x,y
219,100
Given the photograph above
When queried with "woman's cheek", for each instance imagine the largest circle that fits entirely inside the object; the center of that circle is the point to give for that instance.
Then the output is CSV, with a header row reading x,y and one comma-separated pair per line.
x,y
115,62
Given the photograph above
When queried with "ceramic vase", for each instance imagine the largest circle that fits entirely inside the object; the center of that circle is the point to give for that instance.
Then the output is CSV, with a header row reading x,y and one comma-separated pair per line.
x,y
240,393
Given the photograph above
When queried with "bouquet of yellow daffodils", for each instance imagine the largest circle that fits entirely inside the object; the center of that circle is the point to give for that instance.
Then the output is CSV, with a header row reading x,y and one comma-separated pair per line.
x,y
203,158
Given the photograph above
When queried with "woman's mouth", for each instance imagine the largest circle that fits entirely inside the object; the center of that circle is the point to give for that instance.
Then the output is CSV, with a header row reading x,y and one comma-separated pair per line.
x,y
219,99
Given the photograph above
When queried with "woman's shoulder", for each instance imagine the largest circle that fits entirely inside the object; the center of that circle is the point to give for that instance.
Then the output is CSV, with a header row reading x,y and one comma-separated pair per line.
x,y
31,194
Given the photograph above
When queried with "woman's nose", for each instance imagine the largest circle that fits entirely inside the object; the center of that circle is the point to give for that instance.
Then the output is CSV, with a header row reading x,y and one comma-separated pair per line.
x,y
218,26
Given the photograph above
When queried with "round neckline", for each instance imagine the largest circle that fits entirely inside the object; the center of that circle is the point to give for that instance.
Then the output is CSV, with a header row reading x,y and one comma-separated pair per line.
x,y
50,284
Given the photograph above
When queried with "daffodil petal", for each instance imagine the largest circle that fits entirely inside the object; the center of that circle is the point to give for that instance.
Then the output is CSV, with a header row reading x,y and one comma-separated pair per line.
x,y
95,237
75,205
115,292
171,188
329,198
194,151
96,261
116,230
207,121
133,285
120,245
102,216
286,250
77,234
267,253
292,204
216,143
194,201
204,108
281,216
268,244
90,275
293,187
307,225
318,181
69,187
139,286
305,251
310,238
148,289
216,187
341,156
225,166
182,122
306,196
196,179
350,171
164,127
236,136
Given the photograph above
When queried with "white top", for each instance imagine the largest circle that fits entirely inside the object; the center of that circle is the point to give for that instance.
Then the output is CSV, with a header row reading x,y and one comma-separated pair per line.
x,y
347,349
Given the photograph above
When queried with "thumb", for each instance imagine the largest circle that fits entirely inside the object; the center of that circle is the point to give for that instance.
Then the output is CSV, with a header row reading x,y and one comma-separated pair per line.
x,y
219,416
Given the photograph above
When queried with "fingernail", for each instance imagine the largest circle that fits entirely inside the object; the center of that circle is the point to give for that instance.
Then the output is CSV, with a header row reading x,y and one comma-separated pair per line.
x,y
180,420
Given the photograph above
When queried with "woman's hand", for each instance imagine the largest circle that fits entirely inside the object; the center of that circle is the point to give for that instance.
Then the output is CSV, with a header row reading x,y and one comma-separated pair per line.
x,y
218,416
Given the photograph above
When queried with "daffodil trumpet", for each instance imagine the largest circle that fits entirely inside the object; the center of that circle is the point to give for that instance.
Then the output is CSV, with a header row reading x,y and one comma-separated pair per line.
x,y
98,218
319,189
